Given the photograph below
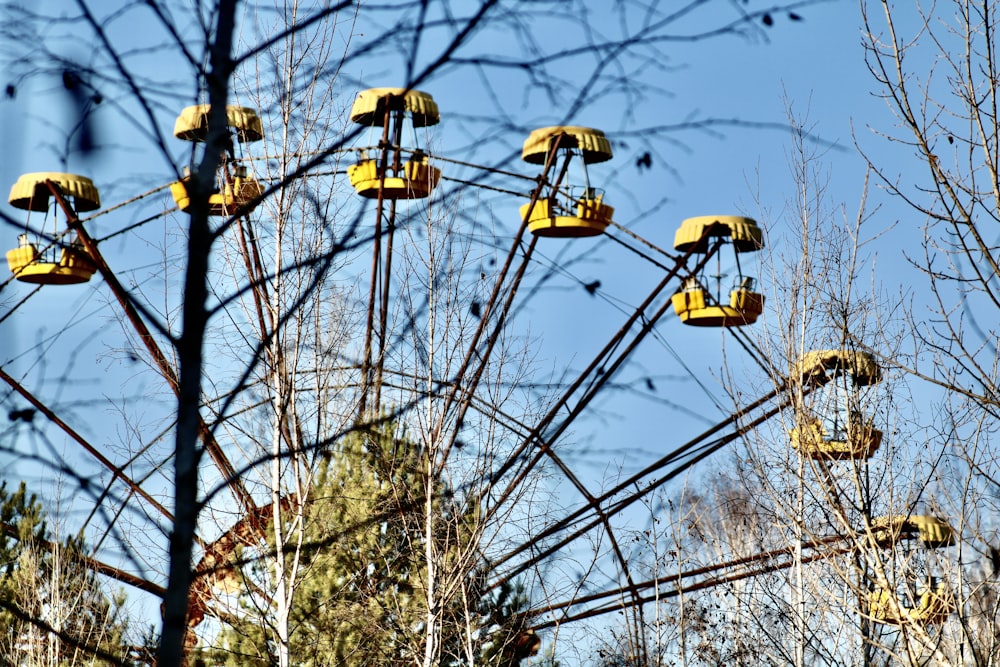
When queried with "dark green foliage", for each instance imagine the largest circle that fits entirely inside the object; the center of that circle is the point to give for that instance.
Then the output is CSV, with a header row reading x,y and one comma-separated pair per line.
x,y
375,517
52,609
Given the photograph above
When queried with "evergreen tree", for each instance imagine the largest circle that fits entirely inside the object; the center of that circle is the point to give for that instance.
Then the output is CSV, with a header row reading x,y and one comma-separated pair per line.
x,y
53,610
366,595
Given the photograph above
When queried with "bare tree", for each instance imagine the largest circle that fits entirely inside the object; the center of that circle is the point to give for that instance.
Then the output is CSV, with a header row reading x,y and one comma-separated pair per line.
x,y
829,537
944,123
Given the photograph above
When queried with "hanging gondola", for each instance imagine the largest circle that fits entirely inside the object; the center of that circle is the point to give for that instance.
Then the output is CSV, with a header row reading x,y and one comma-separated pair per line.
x,y
932,606
569,211
382,168
933,602
237,195
239,191
192,124
695,304
832,428
933,533
58,263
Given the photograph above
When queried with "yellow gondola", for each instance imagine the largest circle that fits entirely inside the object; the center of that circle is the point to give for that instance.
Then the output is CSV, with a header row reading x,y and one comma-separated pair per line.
x,y
240,191
592,216
693,303
570,212
73,267
818,367
591,144
933,532
932,608
61,264
192,123
391,109
416,181
371,105
243,193
30,193
811,440
851,435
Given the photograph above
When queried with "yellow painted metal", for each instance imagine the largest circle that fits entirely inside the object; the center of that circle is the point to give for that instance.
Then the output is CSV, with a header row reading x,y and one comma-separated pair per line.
x,y
417,181
744,233
933,532
933,607
811,441
242,192
818,367
22,256
747,303
595,210
592,143
74,266
178,190
30,193
192,123
245,189
370,106
592,217
744,308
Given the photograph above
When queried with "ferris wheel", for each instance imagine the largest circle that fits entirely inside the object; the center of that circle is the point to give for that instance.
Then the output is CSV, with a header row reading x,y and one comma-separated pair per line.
x,y
558,202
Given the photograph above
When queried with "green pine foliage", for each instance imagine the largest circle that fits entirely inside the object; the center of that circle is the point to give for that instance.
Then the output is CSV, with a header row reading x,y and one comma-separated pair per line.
x,y
53,609
361,594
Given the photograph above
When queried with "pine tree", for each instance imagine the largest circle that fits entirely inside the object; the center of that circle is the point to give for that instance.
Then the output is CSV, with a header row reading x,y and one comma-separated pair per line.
x,y
53,609
364,586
